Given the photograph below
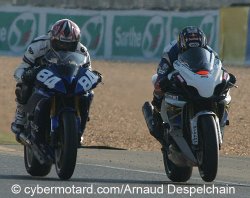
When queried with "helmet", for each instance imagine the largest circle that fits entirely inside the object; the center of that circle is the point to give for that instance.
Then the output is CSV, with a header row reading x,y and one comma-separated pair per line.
x,y
65,35
190,37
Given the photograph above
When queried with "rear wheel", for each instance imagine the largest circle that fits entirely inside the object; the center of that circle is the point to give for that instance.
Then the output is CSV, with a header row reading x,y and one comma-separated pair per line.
x,y
32,165
208,156
176,173
66,151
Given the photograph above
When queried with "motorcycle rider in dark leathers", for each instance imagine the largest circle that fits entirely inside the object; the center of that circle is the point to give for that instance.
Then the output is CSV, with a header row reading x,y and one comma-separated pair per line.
x,y
63,36
189,37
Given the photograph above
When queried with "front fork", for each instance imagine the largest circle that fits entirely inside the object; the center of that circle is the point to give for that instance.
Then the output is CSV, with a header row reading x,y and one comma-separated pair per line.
x,y
54,117
78,115
194,127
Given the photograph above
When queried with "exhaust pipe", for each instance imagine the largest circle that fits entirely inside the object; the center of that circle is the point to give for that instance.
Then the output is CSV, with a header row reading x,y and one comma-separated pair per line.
x,y
153,127
147,110
24,140
178,158
39,154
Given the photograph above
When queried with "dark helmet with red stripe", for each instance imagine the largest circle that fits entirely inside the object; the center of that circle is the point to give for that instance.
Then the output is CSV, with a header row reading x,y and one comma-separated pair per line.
x,y
65,35
191,36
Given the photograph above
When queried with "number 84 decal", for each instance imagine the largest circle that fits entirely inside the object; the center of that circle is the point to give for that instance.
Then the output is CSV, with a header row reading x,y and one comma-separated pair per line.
x,y
45,76
88,80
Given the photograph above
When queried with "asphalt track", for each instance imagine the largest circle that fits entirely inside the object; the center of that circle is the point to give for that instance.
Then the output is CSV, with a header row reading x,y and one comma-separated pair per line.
x,y
110,172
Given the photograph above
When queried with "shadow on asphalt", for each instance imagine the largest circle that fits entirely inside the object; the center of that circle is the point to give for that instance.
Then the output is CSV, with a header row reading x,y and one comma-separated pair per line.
x,y
89,180
101,147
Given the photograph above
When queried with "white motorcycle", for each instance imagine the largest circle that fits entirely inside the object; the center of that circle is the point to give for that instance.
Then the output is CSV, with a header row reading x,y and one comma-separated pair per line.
x,y
193,115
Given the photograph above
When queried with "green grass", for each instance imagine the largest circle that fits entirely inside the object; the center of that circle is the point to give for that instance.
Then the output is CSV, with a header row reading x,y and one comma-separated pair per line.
x,y
7,138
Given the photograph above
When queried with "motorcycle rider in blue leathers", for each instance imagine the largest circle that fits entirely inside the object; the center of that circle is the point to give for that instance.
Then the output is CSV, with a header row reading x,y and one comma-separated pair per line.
x,y
63,36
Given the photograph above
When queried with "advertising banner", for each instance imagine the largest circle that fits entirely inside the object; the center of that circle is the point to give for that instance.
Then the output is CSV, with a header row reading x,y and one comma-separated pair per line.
x,y
145,35
17,30
138,36
132,35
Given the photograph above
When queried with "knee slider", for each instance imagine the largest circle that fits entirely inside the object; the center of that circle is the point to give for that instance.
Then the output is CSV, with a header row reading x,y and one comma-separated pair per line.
x,y
22,93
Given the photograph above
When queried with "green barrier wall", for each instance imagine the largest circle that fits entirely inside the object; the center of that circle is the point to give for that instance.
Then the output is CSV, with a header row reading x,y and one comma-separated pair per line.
x,y
129,35
17,30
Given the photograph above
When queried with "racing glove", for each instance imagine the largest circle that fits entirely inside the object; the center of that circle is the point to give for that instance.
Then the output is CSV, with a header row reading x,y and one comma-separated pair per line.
x,y
29,74
99,75
164,83
232,80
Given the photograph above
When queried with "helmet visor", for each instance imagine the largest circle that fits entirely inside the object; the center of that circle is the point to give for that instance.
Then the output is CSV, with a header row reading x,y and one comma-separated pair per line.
x,y
63,46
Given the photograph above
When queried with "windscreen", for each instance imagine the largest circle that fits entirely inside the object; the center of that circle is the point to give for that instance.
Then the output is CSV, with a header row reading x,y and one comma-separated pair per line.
x,y
197,59
66,63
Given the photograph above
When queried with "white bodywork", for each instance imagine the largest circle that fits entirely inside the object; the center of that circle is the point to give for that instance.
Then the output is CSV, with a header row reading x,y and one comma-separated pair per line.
x,y
204,84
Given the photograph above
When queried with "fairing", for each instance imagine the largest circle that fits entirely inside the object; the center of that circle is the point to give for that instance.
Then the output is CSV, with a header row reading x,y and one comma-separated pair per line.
x,y
197,59
188,64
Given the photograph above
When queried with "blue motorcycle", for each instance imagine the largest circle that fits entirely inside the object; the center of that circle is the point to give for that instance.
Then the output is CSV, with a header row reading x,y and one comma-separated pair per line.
x,y
53,112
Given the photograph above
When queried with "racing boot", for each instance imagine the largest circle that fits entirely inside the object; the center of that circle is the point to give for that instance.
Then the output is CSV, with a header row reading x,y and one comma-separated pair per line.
x,y
18,125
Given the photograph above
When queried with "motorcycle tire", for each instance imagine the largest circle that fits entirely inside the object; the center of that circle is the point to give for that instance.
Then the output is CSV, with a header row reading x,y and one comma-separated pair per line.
x,y
32,165
209,154
66,151
176,173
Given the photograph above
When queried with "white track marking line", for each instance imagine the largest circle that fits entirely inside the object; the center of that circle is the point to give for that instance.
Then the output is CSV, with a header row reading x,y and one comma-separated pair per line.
x,y
126,169
159,173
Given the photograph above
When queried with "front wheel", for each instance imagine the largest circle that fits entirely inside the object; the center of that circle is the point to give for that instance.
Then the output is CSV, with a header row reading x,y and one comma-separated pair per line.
x,y
208,156
66,151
